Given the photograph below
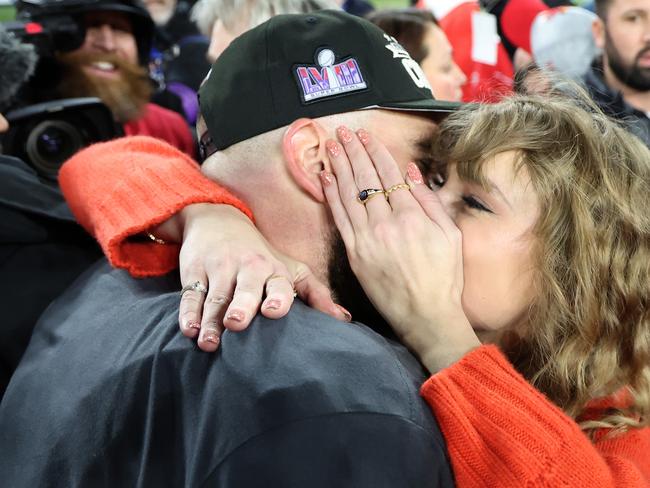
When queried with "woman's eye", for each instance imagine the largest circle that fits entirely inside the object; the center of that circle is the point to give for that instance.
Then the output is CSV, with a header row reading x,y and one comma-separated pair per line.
x,y
472,202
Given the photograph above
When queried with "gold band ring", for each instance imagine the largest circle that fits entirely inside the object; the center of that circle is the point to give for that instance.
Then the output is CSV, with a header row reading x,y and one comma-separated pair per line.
x,y
365,195
401,186
195,286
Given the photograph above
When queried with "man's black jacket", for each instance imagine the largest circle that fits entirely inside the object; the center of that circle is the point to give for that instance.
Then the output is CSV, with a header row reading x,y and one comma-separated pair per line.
x,y
42,250
612,103
110,394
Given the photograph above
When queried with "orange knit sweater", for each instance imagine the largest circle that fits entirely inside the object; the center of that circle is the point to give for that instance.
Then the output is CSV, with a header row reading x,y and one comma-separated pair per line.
x,y
500,431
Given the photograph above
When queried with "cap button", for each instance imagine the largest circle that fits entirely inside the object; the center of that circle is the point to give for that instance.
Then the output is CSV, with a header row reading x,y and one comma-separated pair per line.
x,y
312,20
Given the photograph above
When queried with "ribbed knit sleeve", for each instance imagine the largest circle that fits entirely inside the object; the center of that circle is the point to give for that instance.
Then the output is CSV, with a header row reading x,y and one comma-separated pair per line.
x,y
502,432
121,188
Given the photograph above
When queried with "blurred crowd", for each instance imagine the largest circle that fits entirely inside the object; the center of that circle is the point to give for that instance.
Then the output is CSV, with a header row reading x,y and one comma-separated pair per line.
x,y
145,62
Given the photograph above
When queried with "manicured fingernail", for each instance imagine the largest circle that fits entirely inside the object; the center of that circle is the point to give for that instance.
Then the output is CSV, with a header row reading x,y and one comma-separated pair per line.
x,y
348,315
273,304
236,315
414,173
344,134
326,178
333,148
193,324
363,135
212,338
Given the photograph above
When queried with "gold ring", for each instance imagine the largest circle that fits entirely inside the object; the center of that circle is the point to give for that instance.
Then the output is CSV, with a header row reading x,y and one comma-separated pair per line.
x,y
401,186
365,195
196,286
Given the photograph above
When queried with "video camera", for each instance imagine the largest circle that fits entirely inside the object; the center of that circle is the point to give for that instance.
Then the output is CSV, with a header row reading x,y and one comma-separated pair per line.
x,y
46,134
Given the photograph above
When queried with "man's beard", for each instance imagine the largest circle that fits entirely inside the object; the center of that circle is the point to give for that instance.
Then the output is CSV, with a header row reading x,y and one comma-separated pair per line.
x,y
126,96
634,76
347,290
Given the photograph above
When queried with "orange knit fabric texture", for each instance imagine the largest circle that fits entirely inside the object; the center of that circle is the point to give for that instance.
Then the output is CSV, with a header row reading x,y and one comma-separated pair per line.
x,y
121,188
500,431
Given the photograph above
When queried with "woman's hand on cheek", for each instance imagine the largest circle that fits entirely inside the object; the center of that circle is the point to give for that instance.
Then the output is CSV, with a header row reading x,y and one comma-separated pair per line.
x,y
224,252
404,249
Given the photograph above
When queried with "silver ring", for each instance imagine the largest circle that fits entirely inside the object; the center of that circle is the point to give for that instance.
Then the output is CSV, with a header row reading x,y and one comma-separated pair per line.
x,y
196,286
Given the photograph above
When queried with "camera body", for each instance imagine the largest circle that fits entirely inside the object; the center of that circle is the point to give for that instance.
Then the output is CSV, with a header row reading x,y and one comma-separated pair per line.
x,y
46,134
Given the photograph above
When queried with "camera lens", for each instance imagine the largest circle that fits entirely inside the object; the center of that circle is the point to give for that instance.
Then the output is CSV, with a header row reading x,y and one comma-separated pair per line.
x,y
51,143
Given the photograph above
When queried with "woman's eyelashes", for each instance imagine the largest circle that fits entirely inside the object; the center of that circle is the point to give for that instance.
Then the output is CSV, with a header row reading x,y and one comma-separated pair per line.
x,y
473,203
436,181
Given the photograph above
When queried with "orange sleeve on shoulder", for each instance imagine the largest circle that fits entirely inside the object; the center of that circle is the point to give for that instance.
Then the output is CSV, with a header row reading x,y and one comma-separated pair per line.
x,y
120,188
502,432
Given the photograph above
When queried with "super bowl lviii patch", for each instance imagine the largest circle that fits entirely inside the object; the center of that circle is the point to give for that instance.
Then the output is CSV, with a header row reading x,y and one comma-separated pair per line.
x,y
329,78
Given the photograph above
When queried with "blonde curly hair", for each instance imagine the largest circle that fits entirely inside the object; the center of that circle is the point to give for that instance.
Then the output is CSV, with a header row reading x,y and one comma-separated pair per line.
x,y
587,334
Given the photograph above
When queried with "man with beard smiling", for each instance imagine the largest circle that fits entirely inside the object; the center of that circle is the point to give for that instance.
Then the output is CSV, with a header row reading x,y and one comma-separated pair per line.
x,y
620,81
111,64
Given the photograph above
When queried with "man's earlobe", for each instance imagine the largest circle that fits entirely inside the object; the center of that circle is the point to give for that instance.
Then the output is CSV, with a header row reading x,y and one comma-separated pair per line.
x,y
303,146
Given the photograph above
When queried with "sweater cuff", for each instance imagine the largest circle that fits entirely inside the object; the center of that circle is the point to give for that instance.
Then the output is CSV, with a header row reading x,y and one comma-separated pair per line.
x,y
161,181
145,202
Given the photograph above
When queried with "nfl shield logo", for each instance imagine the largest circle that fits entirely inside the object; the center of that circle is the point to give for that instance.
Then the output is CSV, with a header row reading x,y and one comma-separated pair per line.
x,y
329,79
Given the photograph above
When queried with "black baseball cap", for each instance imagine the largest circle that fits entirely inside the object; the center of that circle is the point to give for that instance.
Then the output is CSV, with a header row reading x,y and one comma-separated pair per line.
x,y
308,65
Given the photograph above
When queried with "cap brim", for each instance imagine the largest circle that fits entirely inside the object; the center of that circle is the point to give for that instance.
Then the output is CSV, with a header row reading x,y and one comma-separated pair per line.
x,y
441,107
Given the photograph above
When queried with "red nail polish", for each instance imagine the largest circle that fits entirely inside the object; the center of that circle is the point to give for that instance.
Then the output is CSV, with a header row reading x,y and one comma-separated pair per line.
x,y
414,173
236,315
193,324
344,134
326,178
363,135
273,304
333,148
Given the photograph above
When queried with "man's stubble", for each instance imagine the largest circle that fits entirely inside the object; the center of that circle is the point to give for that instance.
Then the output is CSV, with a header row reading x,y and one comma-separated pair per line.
x,y
347,290
632,75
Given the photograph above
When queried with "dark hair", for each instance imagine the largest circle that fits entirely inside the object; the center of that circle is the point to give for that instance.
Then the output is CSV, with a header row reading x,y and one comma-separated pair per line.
x,y
408,26
601,7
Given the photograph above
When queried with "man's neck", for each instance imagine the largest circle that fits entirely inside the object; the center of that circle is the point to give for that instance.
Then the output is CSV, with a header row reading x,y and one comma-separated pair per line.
x,y
640,100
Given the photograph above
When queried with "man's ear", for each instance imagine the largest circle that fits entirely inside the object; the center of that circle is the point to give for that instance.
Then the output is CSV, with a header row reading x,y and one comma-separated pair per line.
x,y
598,30
303,146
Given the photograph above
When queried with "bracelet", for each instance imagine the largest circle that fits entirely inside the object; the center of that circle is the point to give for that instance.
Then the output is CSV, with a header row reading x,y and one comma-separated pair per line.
x,y
157,240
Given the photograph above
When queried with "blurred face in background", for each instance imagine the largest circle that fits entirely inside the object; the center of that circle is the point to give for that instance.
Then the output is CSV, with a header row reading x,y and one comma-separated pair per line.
x,y
444,75
624,37
160,10
223,35
4,125
106,66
